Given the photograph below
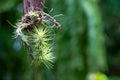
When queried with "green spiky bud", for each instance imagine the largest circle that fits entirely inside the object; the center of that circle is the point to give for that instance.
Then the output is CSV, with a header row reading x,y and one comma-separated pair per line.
x,y
38,41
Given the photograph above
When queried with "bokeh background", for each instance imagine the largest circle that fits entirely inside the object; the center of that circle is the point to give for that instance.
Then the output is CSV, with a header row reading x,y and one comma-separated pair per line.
x,y
87,46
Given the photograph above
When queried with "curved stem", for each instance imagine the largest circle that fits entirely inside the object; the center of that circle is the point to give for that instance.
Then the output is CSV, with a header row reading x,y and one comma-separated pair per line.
x,y
96,52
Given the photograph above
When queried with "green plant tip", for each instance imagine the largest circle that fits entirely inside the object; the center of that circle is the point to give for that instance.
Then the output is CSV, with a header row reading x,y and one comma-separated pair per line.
x,y
33,14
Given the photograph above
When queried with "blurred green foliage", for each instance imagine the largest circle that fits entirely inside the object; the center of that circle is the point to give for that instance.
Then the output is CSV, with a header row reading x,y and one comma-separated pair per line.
x,y
88,42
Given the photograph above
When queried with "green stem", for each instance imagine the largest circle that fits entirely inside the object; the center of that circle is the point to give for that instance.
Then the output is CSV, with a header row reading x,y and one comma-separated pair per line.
x,y
96,51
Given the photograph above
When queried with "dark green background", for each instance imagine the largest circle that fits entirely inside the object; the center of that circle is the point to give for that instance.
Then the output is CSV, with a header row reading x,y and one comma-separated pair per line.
x,y
89,41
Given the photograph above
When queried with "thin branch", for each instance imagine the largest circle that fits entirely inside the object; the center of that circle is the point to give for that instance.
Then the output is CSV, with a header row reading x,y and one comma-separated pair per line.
x,y
33,5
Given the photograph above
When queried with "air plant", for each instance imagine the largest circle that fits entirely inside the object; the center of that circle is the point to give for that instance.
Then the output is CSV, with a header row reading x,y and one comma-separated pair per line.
x,y
34,31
